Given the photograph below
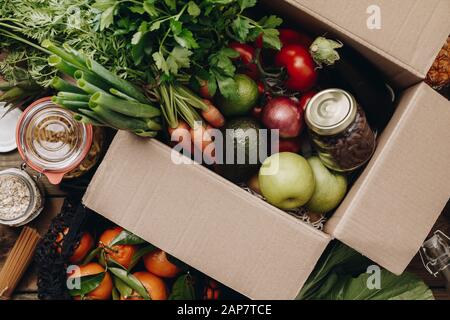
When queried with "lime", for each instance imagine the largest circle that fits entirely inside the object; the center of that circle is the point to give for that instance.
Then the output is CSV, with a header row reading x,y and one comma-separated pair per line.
x,y
243,101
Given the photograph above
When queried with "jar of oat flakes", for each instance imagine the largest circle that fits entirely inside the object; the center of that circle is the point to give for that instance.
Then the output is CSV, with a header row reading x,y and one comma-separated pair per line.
x,y
21,199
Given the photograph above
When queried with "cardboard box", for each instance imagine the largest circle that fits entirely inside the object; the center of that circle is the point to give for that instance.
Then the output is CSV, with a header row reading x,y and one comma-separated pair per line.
x,y
260,251
401,36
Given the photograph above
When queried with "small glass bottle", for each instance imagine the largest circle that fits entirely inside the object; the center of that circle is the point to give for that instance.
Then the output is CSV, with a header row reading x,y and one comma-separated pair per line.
x,y
339,130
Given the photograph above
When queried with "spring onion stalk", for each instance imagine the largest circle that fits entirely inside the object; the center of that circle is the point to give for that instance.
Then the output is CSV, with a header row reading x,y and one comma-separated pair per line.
x,y
120,84
128,108
88,87
117,120
61,65
63,54
86,120
119,94
76,55
62,85
73,96
91,78
91,114
68,104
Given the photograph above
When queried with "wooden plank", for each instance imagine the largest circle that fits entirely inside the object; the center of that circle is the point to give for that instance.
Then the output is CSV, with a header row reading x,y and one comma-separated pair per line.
x,y
8,236
13,160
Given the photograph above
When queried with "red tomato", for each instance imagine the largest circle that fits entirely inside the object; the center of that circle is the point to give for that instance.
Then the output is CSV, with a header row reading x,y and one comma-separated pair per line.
x,y
306,98
247,57
256,112
287,37
300,67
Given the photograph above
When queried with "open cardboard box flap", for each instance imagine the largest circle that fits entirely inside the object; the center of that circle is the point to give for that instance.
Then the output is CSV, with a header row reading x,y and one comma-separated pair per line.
x,y
410,36
395,202
204,220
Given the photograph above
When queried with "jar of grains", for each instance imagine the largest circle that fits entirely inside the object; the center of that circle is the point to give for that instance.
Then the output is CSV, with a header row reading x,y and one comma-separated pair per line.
x,y
339,130
21,199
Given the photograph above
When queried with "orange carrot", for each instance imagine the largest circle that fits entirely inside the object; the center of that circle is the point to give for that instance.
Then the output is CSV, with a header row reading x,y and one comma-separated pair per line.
x,y
202,139
182,137
213,115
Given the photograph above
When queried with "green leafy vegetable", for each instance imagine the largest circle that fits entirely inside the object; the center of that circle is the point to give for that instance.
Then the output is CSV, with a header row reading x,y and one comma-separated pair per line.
x,y
341,274
131,281
87,284
183,288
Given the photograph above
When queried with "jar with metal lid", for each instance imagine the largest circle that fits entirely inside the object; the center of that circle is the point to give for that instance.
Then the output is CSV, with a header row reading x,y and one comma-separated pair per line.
x,y
21,199
50,141
339,130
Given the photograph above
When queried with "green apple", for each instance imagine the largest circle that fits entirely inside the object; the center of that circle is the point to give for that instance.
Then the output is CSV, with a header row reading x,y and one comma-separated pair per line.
x,y
330,188
286,180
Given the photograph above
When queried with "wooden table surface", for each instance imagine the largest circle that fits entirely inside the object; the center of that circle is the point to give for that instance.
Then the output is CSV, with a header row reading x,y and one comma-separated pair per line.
x,y
55,197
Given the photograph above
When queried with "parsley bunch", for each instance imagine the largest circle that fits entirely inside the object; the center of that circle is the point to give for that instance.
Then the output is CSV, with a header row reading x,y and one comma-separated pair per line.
x,y
187,40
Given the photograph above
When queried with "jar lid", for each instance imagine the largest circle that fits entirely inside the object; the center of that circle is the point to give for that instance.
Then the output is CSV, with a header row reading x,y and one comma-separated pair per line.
x,y
330,112
8,122
50,140
20,198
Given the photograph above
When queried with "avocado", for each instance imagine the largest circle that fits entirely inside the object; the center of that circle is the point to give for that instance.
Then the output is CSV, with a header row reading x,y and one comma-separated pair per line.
x,y
241,134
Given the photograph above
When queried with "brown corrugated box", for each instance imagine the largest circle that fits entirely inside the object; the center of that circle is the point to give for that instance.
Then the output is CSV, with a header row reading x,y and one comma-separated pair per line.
x,y
261,251
410,36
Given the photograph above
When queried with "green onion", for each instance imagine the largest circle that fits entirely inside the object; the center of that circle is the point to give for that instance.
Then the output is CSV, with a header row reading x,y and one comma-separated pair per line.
x,y
129,108
73,96
62,85
86,120
121,95
88,87
63,54
117,120
120,84
91,78
76,55
61,65
68,104
91,114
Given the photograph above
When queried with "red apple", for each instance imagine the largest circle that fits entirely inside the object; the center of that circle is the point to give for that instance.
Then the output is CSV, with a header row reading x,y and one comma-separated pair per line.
x,y
284,114
293,145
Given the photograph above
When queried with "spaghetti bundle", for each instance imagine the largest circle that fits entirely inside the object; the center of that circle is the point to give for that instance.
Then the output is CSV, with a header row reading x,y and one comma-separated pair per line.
x,y
18,260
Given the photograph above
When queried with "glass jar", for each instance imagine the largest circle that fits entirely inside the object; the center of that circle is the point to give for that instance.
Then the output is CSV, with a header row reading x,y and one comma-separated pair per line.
x,y
50,141
339,130
21,199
